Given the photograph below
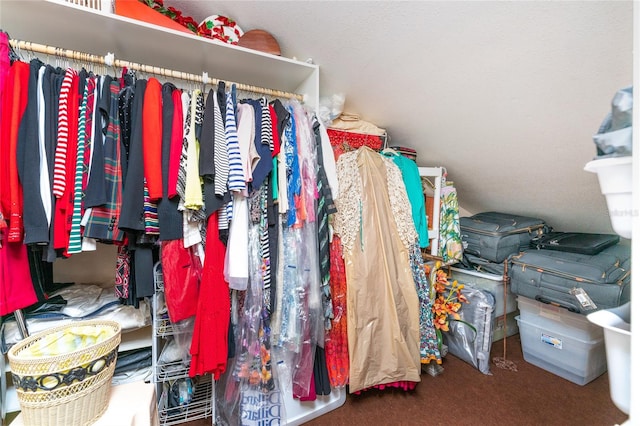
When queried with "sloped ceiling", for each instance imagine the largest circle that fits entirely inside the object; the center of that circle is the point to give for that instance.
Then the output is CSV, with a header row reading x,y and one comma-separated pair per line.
x,y
505,95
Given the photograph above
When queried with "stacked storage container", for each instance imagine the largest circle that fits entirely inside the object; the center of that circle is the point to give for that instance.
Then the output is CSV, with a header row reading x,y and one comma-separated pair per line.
x,y
557,286
561,342
494,284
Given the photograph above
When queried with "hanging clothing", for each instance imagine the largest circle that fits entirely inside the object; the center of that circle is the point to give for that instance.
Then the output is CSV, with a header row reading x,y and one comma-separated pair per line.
x,y
132,212
382,303
429,348
14,105
246,129
450,240
75,237
177,129
169,217
206,164
28,161
335,344
152,155
152,138
192,191
413,185
292,175
16,286
209,341
261,142
103,223
96,192
236,262
125,108
325,207
220,153
236,178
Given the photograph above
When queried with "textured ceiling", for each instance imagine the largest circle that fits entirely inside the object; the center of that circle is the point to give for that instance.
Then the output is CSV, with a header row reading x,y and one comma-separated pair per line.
x,y
505,95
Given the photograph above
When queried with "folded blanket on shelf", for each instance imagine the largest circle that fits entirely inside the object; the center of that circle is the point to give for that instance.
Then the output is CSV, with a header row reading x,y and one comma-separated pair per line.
x,y
83,301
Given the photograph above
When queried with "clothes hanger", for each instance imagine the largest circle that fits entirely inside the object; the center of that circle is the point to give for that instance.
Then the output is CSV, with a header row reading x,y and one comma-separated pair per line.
x,y
390,151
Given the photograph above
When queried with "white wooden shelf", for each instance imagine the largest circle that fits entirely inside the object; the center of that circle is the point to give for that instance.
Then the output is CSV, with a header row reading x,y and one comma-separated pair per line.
x,y
135,339
66,25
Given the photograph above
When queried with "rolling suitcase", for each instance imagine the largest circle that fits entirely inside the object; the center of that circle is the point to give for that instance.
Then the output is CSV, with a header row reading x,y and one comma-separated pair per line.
x,y
495,236
578,282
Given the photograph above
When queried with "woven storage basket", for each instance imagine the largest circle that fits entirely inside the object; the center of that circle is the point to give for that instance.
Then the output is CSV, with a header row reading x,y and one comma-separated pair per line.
x,y
67,389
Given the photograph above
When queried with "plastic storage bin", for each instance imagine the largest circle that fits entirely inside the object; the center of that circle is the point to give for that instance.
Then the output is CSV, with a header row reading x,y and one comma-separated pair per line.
x,y
499,326
617,341
557,318
614,176
494,284
561,342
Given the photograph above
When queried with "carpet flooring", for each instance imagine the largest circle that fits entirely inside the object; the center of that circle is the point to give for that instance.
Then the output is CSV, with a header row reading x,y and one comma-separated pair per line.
x,y
463,396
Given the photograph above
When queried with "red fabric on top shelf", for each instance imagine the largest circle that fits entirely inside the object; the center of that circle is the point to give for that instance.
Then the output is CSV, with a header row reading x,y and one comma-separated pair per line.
x,y
134,9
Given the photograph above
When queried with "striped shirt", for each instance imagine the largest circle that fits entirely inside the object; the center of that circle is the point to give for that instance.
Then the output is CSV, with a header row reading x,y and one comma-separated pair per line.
x,y
236,175
75,237
59,170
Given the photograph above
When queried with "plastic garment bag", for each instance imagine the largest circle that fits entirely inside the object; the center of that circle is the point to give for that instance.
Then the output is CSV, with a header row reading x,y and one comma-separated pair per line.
x,y
250,389
473,346
614,137
382,303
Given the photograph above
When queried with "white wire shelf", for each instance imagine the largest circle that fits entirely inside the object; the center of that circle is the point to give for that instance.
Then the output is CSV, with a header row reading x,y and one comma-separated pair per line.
x,y
200,407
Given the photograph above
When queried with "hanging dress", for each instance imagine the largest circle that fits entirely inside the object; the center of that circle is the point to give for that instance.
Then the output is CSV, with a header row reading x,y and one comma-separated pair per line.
x,y
376,229
335,343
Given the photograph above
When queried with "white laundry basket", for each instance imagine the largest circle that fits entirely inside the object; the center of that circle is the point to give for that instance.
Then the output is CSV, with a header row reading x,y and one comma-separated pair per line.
x,y
616,323
614,175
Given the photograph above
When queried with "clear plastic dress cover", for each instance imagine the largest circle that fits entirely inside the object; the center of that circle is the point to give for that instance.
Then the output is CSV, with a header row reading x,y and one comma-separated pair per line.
x,y
250,390
471,346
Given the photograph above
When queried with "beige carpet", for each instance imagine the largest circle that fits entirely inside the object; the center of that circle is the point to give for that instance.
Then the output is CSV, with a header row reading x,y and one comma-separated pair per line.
x,y
462,396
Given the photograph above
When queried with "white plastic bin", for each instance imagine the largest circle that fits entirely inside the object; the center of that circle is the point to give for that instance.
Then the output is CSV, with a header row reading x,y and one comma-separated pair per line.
x,y
494,284
561,342
557,318
614,176
565,355
616,323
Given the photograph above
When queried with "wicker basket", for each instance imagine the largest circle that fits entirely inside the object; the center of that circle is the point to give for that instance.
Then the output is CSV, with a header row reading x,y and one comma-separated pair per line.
x,y
67,389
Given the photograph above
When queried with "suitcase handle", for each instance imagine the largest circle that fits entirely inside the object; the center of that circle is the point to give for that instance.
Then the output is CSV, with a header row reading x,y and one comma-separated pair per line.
x,y
558,303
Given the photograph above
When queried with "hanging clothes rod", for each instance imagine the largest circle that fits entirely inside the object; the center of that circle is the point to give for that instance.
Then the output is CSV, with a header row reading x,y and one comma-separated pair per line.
x,y
109,60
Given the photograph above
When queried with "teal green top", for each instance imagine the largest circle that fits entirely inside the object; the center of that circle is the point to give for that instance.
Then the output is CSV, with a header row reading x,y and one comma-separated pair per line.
x,y
413,183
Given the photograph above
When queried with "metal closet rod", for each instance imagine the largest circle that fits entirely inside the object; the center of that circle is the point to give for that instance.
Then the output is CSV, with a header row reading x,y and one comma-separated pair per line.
x,y
109,60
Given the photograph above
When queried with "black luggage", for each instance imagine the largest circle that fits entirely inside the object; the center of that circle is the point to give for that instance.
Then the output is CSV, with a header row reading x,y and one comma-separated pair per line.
x,y
495,236
575,242
479,264
570,279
